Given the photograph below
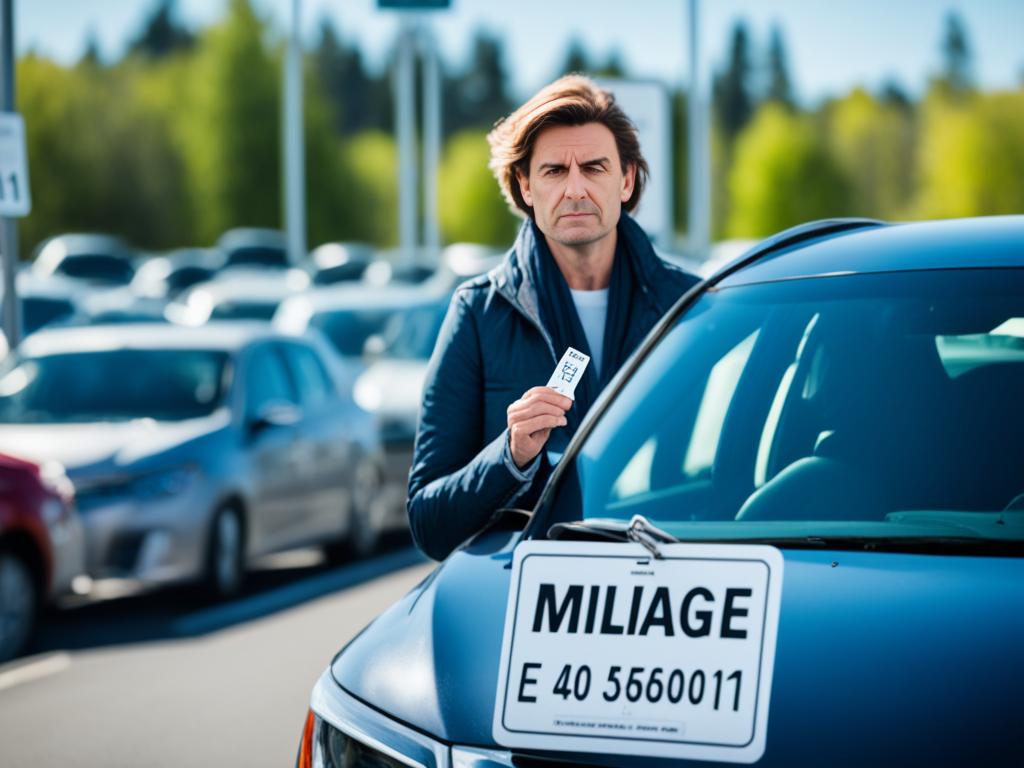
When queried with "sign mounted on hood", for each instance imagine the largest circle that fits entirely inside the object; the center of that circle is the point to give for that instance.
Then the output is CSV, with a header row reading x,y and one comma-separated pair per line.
x,y
609,650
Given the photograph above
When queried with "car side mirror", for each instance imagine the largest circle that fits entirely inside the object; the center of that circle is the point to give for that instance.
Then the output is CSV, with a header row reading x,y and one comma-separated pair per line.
x,y
275,414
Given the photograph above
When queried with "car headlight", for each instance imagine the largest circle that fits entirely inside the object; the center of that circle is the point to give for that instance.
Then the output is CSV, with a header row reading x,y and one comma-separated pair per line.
x,y
171,482
343,732
143,487
55,480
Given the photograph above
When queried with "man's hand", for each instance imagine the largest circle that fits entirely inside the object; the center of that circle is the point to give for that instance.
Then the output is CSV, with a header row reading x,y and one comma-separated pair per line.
x,y
531,419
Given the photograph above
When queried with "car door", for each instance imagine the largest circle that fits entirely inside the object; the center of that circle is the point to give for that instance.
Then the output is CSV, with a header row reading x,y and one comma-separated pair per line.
x,y
329,457
273,441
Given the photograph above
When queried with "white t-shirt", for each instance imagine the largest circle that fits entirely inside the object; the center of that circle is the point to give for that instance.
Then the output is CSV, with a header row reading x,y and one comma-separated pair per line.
x,y
592,309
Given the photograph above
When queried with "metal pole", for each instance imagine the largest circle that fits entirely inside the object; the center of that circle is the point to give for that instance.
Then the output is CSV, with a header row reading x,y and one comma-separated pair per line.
x,y
699,187
431,142
9,226
294,149
405,114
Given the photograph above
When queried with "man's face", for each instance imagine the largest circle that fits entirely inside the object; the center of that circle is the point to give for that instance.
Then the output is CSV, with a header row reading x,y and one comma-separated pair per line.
x,y
576,185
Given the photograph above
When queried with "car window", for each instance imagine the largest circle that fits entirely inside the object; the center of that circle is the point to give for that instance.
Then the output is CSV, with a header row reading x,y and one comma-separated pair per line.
x,y
839,398
349,329
315,388
97,267
266,382
113,385
411,334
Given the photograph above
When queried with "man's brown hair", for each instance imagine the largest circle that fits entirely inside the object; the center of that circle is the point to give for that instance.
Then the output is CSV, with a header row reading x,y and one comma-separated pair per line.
x,y
570,100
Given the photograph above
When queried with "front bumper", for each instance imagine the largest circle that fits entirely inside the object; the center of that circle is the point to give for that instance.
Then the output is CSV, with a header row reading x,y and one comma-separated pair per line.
x,y
156,541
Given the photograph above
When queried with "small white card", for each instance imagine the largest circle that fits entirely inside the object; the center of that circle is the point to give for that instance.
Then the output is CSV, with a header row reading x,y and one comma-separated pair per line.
x,y
569,372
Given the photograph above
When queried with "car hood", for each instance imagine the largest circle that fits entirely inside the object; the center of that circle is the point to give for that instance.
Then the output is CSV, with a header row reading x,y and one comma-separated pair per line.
x,y
881,658
103,446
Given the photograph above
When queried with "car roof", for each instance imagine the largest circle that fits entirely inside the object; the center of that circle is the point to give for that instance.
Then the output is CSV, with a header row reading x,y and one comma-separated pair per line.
x,y
863,246
360,296
227,336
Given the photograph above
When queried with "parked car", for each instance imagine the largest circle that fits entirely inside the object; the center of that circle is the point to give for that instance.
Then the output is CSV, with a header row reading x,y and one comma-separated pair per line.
x,y
193,450
47,301
238,295
95,259
254,248
41,546
167,275
350,315
836,419
332,263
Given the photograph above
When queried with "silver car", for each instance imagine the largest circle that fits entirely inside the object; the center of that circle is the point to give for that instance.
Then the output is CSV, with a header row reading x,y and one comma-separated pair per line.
x,y
193,450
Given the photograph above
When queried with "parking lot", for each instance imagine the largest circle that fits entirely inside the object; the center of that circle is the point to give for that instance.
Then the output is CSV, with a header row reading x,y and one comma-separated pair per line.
x,y
164,680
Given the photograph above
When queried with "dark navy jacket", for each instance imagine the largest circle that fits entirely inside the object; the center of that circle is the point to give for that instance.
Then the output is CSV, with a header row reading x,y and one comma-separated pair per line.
x,y
492,348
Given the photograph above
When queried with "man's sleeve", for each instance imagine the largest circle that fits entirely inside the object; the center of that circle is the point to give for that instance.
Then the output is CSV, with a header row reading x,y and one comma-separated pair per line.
x,y
455,486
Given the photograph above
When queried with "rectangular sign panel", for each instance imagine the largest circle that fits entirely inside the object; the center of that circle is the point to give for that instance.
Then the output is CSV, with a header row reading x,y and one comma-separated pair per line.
x,y
14,194
609,650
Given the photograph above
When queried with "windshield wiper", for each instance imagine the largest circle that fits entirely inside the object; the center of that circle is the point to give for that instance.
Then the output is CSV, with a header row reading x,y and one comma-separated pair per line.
x,y
638,529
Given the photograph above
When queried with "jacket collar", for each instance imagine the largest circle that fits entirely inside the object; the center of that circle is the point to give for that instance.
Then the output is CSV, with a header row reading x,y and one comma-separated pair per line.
x,y
513,281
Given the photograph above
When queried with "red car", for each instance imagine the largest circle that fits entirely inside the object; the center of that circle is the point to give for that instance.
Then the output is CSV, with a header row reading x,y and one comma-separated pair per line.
x,y
41,545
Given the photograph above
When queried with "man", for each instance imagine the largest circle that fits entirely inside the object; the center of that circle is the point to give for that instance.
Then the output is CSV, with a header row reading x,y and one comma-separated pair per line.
x,y
581,274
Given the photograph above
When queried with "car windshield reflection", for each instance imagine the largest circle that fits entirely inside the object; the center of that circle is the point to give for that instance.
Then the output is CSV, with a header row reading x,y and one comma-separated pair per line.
x,y
113,385
866,405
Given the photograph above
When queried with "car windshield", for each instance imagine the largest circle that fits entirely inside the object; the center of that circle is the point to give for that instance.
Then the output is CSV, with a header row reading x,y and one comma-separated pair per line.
x,y
867,404
37,311
244,310
112,385
110,269
257,255
348,330
412,333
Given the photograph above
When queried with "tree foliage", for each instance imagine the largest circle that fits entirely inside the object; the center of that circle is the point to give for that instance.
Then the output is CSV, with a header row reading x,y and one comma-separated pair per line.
x,y
782,175
472,208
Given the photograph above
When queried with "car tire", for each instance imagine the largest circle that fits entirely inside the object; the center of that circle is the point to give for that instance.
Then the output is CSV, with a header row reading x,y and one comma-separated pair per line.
x,y
225,557
19,605
364,532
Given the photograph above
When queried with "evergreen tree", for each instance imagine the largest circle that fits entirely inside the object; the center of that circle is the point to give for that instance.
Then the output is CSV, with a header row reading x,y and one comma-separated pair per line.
x,y
576,59
956,77
732,94
161,35
478,97
780,89
359,101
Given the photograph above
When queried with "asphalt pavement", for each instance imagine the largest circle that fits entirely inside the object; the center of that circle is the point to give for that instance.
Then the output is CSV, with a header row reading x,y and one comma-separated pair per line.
x,y
162,679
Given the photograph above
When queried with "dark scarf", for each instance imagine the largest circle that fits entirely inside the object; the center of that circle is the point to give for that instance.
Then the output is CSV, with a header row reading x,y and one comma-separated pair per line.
x,y
558,315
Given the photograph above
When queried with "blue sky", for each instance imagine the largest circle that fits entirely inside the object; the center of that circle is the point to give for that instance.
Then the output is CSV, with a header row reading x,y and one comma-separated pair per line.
x,y
832,45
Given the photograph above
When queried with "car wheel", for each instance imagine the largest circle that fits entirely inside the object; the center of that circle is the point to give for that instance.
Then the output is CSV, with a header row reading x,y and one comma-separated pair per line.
x,y
19,600
225,563
364,535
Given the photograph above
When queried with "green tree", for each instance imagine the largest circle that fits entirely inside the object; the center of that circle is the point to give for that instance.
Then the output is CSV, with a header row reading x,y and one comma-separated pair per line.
x,y
161,34
780,88
371,165
782,175
576,59
472,208
956,77
478,97
971,155
100,158
233,135
732,90
873,143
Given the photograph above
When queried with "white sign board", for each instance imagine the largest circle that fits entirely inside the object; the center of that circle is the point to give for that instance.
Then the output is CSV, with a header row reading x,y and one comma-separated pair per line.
x,y
14,193
608,650
648,105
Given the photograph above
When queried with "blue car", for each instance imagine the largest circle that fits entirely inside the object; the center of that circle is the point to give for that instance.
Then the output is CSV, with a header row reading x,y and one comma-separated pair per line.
x,y
807,487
